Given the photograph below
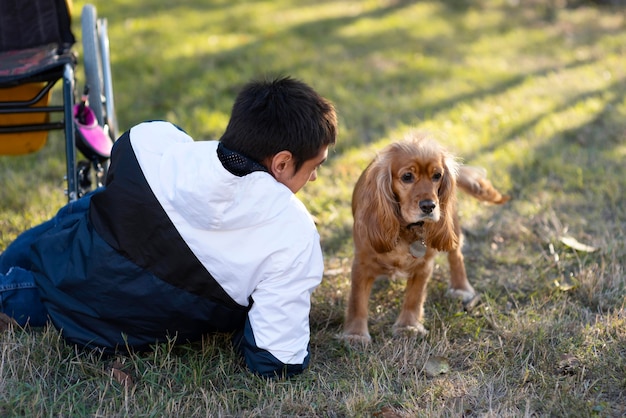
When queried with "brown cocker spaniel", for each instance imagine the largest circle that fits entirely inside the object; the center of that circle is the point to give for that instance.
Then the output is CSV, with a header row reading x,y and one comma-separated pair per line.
x,y
404,208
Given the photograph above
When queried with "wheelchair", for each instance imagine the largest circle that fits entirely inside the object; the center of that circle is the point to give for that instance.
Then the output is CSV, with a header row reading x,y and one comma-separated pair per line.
x,y
36,43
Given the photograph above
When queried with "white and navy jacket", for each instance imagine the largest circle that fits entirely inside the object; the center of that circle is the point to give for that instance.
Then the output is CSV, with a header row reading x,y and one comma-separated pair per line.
x,y
176,245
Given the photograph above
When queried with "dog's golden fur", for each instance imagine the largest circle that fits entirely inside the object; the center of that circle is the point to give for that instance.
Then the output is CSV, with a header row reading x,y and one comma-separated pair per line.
x,y
404,208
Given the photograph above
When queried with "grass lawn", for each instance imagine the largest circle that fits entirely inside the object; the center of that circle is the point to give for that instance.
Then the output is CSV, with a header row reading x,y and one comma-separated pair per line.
x,y
534,91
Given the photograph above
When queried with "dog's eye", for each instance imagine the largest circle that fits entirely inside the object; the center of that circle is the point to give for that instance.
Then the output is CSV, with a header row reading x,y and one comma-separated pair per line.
x,y
437,176
407,177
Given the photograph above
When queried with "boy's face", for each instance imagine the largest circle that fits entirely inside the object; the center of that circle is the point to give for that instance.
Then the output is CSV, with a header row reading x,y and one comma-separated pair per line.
x,y
307,172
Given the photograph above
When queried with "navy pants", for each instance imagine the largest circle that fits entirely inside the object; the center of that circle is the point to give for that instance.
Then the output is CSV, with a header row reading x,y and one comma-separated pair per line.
x,y
19,296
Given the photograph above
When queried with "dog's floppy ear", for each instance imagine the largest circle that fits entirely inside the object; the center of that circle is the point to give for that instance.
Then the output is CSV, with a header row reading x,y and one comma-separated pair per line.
x,y
442,235
374,207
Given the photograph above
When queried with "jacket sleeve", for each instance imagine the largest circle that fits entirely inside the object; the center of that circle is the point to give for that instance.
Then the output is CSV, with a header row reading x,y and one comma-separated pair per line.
x,y
275,339
261,361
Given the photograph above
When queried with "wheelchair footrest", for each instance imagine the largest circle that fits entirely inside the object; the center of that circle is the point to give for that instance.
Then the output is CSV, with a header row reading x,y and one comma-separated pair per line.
x,y
91,138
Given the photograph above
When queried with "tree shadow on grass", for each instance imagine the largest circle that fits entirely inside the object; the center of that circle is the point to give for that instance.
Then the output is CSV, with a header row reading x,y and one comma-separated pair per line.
x,y
371,76
347,69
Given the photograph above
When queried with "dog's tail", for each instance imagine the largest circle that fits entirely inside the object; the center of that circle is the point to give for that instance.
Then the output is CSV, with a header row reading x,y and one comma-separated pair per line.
x,y
473,181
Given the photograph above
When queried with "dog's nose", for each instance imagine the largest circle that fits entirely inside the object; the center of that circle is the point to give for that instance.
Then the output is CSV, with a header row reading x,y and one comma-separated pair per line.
x,y
427,206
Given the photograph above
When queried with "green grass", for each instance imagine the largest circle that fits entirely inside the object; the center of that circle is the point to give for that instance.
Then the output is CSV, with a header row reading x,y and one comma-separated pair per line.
x,y
532,92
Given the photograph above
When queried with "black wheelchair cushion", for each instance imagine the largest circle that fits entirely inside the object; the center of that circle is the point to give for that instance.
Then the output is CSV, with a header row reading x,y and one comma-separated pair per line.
x,y
43,63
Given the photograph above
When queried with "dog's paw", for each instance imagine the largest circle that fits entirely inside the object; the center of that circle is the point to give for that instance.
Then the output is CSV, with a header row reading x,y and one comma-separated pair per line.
x,y
416,330
464,295
355,339
470,299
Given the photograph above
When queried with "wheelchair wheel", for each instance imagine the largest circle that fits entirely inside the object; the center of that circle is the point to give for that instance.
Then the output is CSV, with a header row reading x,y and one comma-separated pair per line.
x,y
98,69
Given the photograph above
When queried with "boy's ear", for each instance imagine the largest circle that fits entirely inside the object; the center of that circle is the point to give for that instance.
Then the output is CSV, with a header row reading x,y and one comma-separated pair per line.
x,y
280,164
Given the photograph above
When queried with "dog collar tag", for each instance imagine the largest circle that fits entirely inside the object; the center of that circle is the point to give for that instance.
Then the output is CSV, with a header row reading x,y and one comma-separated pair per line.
x,y
417,249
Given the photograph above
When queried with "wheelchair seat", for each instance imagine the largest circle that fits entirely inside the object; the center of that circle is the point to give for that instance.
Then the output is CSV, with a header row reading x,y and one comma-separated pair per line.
x,y
40,63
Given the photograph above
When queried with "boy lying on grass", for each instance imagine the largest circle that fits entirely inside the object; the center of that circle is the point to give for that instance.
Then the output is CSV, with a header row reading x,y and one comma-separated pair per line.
x,y
188,238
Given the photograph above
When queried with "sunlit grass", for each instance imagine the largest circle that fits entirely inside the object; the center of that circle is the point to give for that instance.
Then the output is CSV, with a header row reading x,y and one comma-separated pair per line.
x,y
536,94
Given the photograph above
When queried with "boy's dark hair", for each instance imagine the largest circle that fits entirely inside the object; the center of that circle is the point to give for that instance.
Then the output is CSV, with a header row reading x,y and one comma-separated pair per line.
x,y
277,115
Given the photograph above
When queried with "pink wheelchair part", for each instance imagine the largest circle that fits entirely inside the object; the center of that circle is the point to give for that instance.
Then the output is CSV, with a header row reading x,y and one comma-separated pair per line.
x,y
92,136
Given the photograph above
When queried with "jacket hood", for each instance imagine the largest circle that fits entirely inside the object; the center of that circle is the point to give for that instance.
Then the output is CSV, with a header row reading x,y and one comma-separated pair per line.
x,y
188,177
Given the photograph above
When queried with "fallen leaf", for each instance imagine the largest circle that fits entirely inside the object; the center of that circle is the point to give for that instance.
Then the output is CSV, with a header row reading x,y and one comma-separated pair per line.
x,y
563,286
573,243
435,366
6,322
568,364
120,376
388,412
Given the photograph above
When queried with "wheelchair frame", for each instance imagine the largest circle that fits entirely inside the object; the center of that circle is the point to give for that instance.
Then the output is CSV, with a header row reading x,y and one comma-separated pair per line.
x,y
97,75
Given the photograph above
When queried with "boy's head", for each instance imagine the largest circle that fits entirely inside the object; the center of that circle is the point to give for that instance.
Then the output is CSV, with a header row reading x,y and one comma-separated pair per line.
x,y
281,118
